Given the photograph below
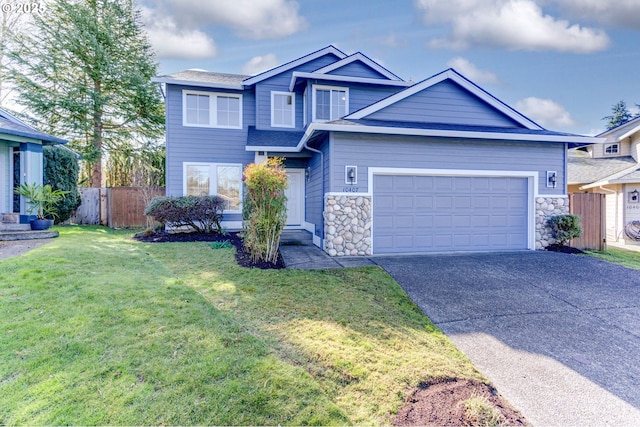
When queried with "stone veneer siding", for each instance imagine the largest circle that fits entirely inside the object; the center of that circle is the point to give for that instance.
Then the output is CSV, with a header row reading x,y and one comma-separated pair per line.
x,y
347,225
547,207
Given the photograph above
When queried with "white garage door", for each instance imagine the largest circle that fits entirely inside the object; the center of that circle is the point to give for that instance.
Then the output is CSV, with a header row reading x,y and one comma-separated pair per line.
x,y
449,213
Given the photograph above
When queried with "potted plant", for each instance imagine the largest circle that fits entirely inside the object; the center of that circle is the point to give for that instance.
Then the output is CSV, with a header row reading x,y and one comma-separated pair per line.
x,y
41,201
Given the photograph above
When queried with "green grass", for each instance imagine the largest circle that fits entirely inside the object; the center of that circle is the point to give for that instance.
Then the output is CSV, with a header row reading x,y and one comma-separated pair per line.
x,y
623,257
96,328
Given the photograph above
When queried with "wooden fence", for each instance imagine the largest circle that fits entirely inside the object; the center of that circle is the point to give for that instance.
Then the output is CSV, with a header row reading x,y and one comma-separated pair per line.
x,y
591,207
117,207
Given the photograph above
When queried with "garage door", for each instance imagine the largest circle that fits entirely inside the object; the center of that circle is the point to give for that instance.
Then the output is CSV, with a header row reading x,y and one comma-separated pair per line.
x,y
449,213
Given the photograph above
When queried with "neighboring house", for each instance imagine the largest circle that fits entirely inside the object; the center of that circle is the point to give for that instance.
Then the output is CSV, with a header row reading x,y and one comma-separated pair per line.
x,y
20,162
376,164
612,168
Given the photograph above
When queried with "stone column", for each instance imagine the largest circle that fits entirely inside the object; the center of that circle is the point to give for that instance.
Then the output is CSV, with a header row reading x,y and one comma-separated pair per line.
x,y
347,225
546,207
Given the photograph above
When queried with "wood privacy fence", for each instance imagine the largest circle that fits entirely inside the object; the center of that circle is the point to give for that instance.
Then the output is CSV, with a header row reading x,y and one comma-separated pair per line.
x,y
116,207
591,208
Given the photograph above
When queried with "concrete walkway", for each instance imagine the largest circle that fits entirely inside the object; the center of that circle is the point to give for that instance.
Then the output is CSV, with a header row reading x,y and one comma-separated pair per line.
x,y
557,334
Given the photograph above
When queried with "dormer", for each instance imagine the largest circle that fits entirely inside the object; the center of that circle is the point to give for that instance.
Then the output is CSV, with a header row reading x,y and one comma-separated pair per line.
x,y
623,140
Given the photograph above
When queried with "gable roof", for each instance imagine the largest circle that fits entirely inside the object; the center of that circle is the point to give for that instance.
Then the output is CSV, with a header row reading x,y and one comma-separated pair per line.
x,y
332,50
453,75
622,131
358,57
11,125
584,169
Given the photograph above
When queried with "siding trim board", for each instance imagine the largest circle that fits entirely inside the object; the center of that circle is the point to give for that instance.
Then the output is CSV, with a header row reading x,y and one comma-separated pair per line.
x,y
532,188
298,75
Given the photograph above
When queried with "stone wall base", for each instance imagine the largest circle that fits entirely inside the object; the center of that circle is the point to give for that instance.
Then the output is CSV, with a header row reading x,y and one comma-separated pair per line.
x,y
546,207
347,225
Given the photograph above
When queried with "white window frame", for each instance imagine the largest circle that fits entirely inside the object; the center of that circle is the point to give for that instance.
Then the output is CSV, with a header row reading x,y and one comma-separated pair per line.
x,y
330,89
293,109
213,109
304,107
213,179
610,146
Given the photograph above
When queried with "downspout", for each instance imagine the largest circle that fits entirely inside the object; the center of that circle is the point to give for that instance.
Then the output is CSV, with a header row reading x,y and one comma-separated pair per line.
x,y
313,150
610,191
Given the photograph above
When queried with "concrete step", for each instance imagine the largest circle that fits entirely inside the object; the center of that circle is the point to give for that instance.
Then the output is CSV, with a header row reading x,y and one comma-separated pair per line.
x,y
4,226
296,238
27,235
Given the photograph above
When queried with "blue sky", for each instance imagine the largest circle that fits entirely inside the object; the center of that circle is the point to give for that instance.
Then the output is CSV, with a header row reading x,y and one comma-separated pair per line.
x,y
563,63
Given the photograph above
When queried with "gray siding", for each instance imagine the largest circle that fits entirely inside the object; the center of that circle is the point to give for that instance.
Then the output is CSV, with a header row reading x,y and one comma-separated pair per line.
x,y
357,69
445,102
443,153
196,144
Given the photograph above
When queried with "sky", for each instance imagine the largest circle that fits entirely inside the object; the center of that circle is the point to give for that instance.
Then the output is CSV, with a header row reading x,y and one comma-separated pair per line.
x,y
562,63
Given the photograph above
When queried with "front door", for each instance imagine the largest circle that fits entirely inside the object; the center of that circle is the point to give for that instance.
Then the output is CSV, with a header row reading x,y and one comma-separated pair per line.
x,y
295,197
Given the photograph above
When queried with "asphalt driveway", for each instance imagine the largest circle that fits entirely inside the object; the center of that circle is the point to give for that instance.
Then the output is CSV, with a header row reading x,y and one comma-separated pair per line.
x,y
557,334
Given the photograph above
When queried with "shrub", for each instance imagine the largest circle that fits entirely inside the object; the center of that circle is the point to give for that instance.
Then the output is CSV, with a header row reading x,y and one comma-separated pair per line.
x,y
264,209
61,173
202,213
565,227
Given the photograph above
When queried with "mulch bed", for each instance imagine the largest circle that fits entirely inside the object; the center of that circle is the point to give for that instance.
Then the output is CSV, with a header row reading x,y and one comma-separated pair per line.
x,y
441,403
243,258
563,249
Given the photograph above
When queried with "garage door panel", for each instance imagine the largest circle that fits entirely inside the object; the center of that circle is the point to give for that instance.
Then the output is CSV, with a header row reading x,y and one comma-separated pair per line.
x,y
442,213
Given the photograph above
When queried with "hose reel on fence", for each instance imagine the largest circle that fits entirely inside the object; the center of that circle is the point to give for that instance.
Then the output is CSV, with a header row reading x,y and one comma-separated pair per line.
x,y
632,230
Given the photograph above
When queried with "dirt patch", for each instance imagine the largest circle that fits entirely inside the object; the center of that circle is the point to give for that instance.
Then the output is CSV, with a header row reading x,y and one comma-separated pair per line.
x,y
441,403
243,258
11,248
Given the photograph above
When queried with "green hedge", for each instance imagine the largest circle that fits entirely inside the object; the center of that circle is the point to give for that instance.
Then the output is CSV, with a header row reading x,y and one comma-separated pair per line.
x,y
61,173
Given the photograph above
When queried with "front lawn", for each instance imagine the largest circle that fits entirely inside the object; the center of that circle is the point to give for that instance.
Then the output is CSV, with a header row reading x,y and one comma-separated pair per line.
x,y
623,257
97,328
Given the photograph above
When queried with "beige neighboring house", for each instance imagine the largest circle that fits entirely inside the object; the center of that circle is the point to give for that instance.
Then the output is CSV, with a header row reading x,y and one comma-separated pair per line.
x,y
612,168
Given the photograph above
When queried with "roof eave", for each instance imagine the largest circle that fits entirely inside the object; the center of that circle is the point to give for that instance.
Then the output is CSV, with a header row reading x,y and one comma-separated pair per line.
x,y
348,79
196,83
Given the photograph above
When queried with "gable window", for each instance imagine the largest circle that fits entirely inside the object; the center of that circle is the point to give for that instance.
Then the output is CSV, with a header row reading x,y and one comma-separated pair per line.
x,y
211,179
209,109
330,103
611,149
283,109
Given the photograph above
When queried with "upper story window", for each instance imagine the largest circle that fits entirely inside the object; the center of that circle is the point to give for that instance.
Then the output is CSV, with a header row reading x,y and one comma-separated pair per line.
x,y
209,109
330,103
283,109
611,149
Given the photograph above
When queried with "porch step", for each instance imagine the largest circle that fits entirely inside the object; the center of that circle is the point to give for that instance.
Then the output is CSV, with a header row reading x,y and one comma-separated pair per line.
x,y
4,226
27,235
296,238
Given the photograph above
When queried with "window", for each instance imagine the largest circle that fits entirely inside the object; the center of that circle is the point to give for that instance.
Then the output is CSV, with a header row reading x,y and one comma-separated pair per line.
x,y
283,109
329,103
224,180
208,109
611,149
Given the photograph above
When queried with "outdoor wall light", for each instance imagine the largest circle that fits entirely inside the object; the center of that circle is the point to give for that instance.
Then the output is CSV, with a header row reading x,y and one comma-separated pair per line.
x,y
634,196
307,173
551,179
351,175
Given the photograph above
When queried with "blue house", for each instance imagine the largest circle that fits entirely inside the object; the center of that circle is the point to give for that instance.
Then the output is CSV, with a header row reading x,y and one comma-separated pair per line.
x,y
376,164
20,162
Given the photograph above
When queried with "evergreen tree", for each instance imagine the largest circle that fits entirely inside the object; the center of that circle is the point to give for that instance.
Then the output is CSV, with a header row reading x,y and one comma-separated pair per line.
x,y
619,114
84,71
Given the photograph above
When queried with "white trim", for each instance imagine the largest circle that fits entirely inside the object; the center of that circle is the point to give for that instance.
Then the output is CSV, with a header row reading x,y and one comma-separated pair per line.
x,y
275,93
628,134
347,79
449,74
343,193
315,88
295,63
213,179
611,144
213,108
532,181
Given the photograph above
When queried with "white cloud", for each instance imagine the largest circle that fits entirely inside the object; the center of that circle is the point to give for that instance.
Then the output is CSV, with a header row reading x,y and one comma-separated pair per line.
x,y
169,41
511,24
546,112
258,64
252,19
473,73
619,13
